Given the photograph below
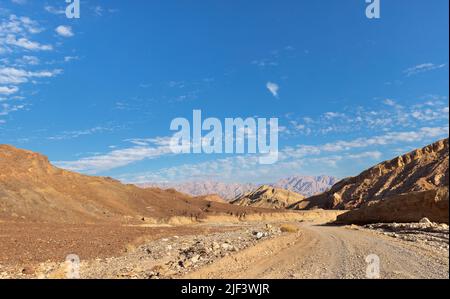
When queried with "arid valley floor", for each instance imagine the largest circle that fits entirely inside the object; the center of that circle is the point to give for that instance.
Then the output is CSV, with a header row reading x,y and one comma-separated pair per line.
x,y
268,249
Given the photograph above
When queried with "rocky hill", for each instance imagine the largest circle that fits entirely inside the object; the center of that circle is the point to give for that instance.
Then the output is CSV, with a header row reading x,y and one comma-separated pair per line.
x,y
269,197
420,170
32,189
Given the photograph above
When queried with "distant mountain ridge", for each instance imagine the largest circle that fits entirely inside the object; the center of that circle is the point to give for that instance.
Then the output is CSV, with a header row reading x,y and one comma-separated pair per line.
x,y
307,185
304,185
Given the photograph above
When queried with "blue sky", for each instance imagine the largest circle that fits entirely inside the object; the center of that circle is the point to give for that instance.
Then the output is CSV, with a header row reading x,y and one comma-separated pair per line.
x,y
97,94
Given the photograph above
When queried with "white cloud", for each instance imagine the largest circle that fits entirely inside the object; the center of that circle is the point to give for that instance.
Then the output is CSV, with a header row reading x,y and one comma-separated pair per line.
x,y
375,155
5,90
390,102
6,108
54,10
19,25
10,75
70,58
332,115
15,33
27,44
273,88
424,67
390,117
28,60
65,31
117,158
78,133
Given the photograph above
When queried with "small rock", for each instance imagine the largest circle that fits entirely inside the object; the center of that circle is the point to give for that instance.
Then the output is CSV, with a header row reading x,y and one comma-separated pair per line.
x,y
227,246
259,235
28,271
215,246
195,258
425,221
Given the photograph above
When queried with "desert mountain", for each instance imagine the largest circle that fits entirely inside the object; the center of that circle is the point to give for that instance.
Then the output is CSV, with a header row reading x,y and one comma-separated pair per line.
x,y
269,197
305,185
420,170
32,189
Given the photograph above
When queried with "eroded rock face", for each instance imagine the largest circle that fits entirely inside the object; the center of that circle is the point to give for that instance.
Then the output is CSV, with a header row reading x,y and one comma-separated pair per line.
x,y
431,205
421,170
269,197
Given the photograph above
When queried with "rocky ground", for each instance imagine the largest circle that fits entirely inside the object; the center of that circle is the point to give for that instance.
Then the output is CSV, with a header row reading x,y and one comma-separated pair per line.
x,y
426,233
168,257
293,250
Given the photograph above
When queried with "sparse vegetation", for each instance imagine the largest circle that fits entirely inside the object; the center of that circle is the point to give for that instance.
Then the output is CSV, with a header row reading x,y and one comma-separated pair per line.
x,y
289,228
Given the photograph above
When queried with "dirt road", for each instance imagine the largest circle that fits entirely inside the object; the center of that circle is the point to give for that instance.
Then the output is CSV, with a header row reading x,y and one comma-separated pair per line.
x,y
330,252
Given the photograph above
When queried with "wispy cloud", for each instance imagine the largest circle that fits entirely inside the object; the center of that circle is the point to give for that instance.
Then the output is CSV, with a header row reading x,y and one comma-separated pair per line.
x,y
117,158
5,90
421,68
389,116
15,32
54,10
11,75
67,135
6,108
25,43
71,58
273,88
23,48
28,60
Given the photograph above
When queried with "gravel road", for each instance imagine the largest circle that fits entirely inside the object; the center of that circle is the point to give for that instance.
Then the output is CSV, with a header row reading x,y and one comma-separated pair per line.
x,y
319,251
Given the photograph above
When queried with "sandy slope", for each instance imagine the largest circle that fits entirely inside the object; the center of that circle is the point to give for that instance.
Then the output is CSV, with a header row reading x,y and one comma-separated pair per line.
x,y
330,252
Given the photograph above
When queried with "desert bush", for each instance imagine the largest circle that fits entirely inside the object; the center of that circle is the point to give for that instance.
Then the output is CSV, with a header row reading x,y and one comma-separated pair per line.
x,y
289,228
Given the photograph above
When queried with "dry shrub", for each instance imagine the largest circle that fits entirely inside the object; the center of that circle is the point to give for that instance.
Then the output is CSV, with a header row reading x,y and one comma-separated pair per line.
x,y
289,228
